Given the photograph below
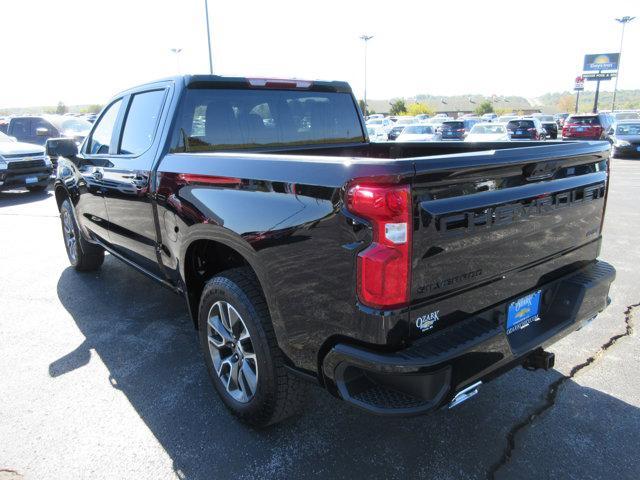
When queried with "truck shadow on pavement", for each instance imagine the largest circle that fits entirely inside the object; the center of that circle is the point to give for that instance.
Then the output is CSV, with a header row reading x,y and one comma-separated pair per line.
x,y
143,334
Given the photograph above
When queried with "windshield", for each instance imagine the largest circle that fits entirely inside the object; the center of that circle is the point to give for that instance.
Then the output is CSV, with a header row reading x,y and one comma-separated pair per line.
x,y
374,121
418,130
546,118
447,125
405,121
76,125
233,119
628,129
506,118
488,129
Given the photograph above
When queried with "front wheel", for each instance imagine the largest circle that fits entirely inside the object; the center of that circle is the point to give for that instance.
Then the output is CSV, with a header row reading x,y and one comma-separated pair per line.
x,y
83,256
241,353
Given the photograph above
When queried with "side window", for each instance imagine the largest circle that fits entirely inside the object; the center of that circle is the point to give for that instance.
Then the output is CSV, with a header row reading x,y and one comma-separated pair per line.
x,y
37,123
101,137
19,127
140,125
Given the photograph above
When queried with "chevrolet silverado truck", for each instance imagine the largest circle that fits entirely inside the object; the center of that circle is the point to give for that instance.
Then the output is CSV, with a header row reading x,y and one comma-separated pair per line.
x,y
23,165
397,276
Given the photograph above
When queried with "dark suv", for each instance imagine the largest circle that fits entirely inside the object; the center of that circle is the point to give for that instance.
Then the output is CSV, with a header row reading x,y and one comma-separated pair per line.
x,y
586,127
37,129
525,129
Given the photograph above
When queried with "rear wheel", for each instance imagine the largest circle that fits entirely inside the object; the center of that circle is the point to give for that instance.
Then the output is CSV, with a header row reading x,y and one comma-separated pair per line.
x,y
241,353
83,256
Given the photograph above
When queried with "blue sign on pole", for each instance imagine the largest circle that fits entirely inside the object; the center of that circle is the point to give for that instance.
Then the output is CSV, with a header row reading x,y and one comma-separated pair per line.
x,y
601,61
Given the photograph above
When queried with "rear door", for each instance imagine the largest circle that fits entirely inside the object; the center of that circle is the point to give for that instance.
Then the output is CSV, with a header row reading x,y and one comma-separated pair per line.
x,y
495,224
127,179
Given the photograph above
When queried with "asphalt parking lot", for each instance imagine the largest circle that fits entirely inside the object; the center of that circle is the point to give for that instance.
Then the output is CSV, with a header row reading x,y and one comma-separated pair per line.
x,y
101,377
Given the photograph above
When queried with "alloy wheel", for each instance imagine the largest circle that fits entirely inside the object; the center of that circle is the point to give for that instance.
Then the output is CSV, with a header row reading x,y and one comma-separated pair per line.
x,y
232,353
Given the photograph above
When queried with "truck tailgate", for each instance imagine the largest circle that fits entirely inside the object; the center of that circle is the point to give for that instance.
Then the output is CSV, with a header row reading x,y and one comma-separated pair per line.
x,y
494,224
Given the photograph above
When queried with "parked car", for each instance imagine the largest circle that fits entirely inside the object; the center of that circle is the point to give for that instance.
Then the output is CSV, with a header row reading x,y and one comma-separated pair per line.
x,y
394,131
422,117
307,254
23,165
418,133
382,125
507,118
526,129
489,117
437,121
457,129
586,126
488,132
548,123
37,129
624,136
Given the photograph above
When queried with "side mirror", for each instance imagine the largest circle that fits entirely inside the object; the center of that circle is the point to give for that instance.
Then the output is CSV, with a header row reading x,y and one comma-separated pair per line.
x,y
61,147
42,132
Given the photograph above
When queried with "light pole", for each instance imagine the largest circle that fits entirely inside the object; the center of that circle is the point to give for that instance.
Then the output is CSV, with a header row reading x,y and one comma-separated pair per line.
x,y
366,39
177,51
623,21
206,15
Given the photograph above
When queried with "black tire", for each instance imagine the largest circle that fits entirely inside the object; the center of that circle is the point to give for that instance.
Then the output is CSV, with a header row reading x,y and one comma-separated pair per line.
x,y
279,394
37,188
82,255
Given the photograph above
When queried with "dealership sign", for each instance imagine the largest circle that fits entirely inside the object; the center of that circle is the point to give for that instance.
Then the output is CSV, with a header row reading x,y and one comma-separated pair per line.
x,y
599,76
601,61
579,84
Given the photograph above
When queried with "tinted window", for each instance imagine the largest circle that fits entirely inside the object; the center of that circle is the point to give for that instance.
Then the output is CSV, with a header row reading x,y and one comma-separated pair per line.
x,y
140,125
101,137
220,119
514,124
446,125
20,127
591,120
37,123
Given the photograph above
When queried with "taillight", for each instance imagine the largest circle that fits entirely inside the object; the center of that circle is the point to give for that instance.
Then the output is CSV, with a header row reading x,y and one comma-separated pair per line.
x,y
278,83
384,268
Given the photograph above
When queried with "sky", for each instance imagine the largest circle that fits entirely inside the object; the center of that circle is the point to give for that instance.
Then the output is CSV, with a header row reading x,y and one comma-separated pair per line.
x,y
82,52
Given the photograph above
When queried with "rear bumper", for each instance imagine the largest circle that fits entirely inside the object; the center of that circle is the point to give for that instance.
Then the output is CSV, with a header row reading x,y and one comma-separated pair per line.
x,y
431,371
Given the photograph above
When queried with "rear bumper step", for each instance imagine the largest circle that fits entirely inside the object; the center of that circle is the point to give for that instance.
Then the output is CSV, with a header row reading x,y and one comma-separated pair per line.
x,y
448,365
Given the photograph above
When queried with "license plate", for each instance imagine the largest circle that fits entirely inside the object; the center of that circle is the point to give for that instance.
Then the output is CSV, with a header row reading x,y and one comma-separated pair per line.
x,y
523,312
519,132
580,129
30,180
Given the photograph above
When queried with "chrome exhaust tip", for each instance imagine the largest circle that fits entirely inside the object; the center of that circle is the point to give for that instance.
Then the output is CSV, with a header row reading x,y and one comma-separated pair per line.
x,y
465,394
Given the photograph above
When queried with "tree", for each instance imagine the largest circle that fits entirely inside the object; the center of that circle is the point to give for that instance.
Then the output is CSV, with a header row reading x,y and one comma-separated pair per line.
x,y
93,108
566,103
484,107
420,108
398,107
362,109
61,108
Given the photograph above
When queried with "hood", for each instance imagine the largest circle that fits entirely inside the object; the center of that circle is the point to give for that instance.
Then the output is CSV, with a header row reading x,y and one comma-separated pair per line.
x,y
17,148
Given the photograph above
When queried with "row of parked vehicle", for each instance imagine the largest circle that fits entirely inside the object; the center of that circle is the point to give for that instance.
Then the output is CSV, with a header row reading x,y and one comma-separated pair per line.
x,y
23,162
493,128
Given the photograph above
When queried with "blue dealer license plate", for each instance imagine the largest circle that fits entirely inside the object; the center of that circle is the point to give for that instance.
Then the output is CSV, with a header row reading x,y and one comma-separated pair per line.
x,y
523,312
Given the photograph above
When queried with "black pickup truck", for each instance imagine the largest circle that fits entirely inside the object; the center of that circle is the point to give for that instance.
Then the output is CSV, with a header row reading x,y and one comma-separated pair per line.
x,y
398,276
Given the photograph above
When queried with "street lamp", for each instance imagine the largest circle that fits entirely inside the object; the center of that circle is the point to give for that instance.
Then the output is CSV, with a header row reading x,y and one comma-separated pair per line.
x,y
623,21
206,15
177,51
366,39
